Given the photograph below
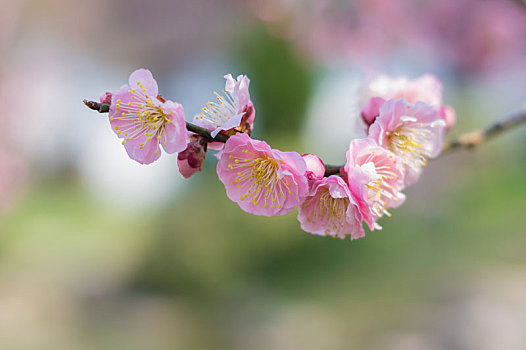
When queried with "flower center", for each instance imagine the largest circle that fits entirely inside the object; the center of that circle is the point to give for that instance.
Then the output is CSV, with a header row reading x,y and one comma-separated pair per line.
x,y
221,111
407,140
259,176
330,212
264,171
151,118
142,117
379,190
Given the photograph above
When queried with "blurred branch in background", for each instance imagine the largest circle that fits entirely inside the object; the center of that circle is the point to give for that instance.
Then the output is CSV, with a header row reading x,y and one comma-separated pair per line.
x,y
476,138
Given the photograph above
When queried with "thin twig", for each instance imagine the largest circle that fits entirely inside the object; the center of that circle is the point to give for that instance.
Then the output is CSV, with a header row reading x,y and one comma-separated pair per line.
x,y
105,108
96,106
468,140
205,133
332,169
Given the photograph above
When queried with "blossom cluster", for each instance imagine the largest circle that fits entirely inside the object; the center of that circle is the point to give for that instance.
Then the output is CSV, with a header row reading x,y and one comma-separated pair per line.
x,y
405,122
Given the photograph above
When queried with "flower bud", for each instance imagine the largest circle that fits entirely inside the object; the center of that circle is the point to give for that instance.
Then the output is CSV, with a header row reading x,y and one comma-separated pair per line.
x,y
449,116
315,166
106,98
191,160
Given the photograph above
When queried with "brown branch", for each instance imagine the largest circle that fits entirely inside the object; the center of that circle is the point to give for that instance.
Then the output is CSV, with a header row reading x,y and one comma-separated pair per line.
x,y
468,140
332,169
205,133
105,108
96,106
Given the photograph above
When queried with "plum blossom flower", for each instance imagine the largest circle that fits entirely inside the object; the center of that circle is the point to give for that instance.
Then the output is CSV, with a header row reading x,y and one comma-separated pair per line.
x,y
145,120
192,159
426,88
331,210
375,177
261,180
413,132
234,110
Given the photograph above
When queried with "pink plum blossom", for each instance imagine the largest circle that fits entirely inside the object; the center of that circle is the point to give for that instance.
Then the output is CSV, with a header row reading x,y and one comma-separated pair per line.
x,y
414,132
426,88
234,110
375,177
145,120
192,159
261,180
331,210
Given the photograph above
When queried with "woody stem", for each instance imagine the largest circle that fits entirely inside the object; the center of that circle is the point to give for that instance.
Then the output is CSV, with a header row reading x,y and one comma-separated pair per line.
x,y
467,140
105,108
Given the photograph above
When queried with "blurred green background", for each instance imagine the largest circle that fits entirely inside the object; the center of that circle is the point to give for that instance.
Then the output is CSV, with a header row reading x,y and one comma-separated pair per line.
x,y
182,267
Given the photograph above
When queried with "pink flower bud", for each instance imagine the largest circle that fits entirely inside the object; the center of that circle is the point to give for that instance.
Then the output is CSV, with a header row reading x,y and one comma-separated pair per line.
x,y
106,98
315,169
192,159
314,164
449,116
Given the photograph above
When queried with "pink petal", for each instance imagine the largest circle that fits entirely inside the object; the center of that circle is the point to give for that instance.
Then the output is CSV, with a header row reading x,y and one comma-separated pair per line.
x,y
185,169
145,78
147,154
